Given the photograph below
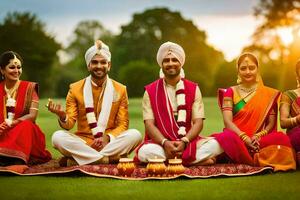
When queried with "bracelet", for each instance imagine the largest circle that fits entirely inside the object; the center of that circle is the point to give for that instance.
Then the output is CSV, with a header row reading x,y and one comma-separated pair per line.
x,y
261,133
243,136
293,121
185,140
163,142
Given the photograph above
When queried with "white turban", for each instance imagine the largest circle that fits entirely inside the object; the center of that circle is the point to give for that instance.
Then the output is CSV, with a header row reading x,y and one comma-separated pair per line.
x,y
99,48
170,48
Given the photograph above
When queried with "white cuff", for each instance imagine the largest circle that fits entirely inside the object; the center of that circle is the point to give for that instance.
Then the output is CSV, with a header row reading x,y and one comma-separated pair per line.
x,y
111,137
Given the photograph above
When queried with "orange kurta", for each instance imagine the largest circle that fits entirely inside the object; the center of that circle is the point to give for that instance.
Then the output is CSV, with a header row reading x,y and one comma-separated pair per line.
x,y
75,109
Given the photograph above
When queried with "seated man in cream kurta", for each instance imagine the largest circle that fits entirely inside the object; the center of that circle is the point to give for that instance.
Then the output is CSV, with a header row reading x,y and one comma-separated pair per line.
x,y
100,107
173,113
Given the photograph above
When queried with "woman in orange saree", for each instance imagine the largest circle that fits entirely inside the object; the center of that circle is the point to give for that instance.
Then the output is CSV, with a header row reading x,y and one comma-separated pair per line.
x,y
249,111
21,140
290,114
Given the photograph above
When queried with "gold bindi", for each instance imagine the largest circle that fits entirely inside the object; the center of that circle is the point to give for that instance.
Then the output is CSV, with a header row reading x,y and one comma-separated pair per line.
x,y
15,61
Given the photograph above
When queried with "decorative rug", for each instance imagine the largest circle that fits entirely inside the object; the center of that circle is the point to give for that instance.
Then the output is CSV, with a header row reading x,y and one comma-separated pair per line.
x,y
139,173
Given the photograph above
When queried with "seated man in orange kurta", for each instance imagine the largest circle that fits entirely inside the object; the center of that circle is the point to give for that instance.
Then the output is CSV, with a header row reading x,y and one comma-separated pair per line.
x,y
100,107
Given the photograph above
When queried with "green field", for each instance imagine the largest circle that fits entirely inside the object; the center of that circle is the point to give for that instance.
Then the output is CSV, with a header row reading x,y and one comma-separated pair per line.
x,y
269,186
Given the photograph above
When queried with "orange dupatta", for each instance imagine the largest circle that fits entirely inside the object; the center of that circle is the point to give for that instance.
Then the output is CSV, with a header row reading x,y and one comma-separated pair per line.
x,y
251,118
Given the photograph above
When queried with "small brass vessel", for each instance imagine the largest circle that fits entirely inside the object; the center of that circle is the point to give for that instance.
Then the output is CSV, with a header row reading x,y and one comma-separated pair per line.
x,y
156,167
175,167
125,166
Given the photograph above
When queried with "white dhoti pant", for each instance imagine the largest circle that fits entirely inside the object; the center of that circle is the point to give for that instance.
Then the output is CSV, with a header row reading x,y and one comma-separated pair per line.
x,y
71,145
206,148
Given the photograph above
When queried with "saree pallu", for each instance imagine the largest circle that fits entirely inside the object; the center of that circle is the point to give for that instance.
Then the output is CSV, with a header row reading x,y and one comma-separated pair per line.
x,y
275,147
25,141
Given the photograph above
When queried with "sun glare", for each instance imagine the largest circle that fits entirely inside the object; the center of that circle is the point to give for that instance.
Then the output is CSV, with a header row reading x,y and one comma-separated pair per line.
x,y
285,35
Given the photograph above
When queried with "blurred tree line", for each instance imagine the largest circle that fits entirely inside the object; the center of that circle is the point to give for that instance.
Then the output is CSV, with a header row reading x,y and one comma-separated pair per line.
x,y
134,49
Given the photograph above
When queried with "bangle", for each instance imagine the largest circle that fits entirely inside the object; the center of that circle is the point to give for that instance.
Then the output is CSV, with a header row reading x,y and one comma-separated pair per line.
x,y
243,136
185,140
293,121
163,142
261,133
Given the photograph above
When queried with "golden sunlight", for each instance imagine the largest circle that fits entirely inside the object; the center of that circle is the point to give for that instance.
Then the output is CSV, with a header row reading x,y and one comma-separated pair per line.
x,y
286,35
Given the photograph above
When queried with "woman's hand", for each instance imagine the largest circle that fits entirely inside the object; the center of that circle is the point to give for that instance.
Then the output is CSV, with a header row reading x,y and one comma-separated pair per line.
x,y
3,127
250,145
15,122
255,142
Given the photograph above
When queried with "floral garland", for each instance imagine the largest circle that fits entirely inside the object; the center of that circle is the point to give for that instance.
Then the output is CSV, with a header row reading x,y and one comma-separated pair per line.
x,y
181,108
10,103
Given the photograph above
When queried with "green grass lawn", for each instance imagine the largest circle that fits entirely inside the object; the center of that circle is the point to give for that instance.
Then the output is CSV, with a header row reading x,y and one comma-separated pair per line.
x,y
268,186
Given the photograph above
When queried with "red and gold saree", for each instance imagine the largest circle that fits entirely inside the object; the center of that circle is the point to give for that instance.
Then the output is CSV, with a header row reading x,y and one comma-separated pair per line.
x,y
25,141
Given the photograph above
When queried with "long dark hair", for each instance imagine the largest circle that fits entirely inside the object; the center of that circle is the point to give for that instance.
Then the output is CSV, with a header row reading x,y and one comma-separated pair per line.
x,y
6,57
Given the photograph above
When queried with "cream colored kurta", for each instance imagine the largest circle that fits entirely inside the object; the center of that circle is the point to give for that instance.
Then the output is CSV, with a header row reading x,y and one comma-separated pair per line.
x,y
197,107
206,147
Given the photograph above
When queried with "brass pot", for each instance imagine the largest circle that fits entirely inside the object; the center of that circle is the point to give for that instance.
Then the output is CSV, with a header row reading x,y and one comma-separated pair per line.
x,y
125,166
156,167
175,167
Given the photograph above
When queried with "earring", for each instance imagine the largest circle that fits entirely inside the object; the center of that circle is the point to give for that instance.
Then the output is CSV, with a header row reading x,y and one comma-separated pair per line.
x,y
298,84
257,79
239,80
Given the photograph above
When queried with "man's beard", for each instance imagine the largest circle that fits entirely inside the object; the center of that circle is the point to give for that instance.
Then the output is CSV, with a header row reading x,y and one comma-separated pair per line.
x,y
99,76
171,75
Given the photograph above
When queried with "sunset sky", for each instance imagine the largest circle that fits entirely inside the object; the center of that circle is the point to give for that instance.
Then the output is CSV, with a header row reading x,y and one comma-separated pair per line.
x,y
227,23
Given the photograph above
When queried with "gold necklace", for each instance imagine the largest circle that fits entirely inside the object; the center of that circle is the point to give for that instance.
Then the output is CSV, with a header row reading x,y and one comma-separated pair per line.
x,y
11,93
247,90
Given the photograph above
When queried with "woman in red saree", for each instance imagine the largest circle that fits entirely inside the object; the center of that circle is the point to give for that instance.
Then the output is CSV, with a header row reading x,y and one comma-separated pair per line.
x,y
21,140
290,114
249,111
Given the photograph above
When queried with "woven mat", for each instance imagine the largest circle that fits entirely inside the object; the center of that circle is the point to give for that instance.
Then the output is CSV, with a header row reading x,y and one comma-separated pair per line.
x,y
140,173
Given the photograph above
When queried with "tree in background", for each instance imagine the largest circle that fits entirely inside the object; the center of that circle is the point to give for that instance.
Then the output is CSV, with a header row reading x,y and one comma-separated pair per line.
x,y
25,34
136,74
226,76
84,36
277,41
141,38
